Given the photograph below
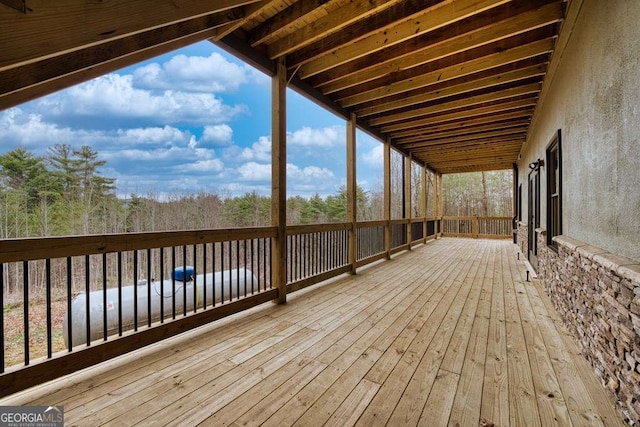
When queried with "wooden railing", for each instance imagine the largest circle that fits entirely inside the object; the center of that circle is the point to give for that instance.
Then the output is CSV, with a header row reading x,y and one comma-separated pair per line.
x,y
474,226
87,299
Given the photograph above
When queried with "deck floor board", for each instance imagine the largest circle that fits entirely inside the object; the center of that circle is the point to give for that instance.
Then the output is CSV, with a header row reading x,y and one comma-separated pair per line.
x,y
449,333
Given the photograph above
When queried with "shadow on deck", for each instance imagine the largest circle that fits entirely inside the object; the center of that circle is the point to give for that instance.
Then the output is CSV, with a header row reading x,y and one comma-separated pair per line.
x,y
450,333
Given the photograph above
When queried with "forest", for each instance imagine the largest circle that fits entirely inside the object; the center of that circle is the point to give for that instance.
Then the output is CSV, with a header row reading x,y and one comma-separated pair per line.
x,y
64,193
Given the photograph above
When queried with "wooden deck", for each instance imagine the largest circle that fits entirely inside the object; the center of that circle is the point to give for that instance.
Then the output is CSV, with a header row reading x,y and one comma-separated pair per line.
x,y
448,334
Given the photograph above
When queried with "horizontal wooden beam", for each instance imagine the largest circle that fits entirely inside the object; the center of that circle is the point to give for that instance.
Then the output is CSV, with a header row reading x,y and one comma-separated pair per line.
x,y
493,108
490,61
460,144
38,78
476,167
289,17
476,130
460,103
418,142
429,19
469,124
470,86
249,11
352,11
56,27
483,150
475,31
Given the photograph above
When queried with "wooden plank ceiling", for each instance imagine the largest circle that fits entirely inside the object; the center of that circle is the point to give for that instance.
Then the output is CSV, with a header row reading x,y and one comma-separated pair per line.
x,y
452,82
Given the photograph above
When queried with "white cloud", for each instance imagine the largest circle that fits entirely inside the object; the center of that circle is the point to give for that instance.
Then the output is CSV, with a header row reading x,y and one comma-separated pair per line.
x,y
115,96
330,136
218,134
259,150
28,130
253,171
154,136
375,156
193,74
312,174
211,165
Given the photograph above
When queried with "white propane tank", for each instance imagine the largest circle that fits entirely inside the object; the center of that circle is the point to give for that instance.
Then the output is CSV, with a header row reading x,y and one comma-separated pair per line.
x,y
226,284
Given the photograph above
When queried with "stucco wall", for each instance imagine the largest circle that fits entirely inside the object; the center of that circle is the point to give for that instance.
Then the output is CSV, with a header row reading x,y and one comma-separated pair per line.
x,y
594,99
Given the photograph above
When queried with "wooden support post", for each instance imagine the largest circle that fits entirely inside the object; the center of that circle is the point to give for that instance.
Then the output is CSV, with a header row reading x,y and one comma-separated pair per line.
x,y
352,190
279,180
407,200
423,209
437,177
387,197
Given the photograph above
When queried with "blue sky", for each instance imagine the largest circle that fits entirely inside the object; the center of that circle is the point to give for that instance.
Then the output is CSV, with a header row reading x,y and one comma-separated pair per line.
x,y
194,120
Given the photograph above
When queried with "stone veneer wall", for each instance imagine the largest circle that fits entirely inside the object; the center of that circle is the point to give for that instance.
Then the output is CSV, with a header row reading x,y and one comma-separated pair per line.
x,y
523,238
598,296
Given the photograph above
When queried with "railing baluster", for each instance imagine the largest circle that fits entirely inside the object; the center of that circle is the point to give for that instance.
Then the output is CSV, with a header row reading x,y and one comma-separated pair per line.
x,y
253,241
87,291
69,296
173,282
104,296
213,269
149,279
119,294
230,252
161,285
221,273
244,250
204,277
270,261
195,284
184,280
238,269
25,311
135,290
47,268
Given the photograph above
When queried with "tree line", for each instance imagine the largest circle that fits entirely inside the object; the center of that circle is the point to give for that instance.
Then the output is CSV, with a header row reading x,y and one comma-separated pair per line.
x,y
65,193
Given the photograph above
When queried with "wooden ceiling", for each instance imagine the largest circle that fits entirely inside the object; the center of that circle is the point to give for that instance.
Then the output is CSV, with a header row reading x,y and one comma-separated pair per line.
x,y
454,83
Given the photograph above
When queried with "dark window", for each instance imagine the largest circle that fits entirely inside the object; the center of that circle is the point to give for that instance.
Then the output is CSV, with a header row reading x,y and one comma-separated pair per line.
x,y
520,202
554,190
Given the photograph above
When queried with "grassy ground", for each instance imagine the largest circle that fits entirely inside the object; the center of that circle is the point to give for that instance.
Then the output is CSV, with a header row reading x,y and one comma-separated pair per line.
x,y
13,316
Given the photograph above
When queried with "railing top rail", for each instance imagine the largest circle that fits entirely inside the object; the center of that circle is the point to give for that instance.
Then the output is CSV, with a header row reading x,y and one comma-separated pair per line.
x,y
59,247
502,218
399,221
317,228
364,224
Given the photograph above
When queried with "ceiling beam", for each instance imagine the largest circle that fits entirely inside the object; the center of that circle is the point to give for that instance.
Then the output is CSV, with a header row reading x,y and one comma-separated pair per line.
x,y
477,65
250,12
437,44
56,27
429,19
470,86
466,113
350,34
491,148
529,89
347,13
288,17
486,126
418,142
469,124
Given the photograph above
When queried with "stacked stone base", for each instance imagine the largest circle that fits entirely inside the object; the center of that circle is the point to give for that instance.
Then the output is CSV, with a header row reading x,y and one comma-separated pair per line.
x,y
598,296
